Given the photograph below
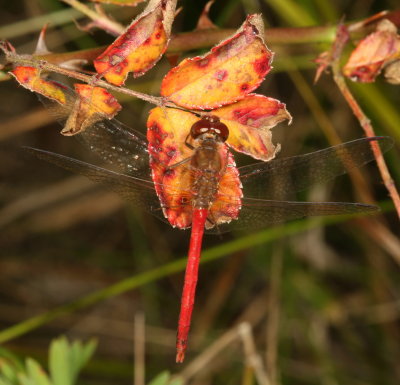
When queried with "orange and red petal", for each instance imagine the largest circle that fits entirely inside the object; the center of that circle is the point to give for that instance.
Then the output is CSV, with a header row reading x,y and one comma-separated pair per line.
x,y
250,121
167,129
139,47
372,53
228,73
29,77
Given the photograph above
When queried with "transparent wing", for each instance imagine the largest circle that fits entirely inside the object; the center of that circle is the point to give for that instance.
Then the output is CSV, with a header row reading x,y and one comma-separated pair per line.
x,y
277,178
257,213
138,191
118,145
114,142
254,213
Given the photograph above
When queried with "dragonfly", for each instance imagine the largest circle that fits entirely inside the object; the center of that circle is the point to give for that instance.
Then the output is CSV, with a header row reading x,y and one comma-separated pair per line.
x,y
216,196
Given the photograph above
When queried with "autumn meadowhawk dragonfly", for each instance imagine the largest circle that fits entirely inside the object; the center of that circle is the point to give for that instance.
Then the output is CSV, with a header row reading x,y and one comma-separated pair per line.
x,y
201,198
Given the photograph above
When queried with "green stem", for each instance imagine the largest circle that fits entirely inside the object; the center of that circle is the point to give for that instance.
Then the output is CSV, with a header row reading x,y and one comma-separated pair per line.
x,y
205,38
125,285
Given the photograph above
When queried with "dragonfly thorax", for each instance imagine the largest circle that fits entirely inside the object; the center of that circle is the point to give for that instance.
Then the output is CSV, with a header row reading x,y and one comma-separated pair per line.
x,y
210,126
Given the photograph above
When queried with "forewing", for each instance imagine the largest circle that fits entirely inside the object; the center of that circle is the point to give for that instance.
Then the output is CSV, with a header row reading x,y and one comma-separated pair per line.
x,y
120,146
277,178
138,191
114,142
254,213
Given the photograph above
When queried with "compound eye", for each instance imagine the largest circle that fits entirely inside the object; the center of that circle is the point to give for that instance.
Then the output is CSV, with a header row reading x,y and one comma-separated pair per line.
x,y
221,130
200,127
210,124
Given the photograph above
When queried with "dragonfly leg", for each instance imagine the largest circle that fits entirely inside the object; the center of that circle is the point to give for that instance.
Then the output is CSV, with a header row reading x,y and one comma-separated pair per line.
x,y
210,223
187,143
183,161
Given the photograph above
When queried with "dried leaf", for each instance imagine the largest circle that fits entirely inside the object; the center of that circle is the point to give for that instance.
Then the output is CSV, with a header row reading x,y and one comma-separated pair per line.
x,y
140,46
227,203
228,73
173,177
373,52
392,72
250,121
92,104
167,147
98,100
29,77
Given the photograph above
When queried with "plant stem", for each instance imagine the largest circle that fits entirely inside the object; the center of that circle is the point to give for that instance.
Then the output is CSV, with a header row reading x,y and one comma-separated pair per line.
x,y
205,38
99,20
342,38
27,60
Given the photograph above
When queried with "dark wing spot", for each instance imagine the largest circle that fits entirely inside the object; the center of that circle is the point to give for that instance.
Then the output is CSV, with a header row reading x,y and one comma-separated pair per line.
x,y
169,173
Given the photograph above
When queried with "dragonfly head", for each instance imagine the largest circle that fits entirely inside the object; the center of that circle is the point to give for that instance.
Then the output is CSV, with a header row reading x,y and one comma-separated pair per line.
x,y
210,126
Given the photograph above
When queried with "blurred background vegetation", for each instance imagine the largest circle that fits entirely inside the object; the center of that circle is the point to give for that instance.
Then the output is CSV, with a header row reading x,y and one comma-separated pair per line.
x,y
322,296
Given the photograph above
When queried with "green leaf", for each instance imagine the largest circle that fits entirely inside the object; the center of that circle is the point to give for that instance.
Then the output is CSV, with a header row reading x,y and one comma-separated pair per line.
x,y
79,356
12,359
66,360
161,379
36,373
87,352
59,362
74,359
8,372
6,382
176,381
23,379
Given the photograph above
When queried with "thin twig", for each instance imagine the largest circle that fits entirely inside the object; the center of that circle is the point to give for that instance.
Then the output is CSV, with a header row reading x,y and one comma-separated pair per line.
x,y
242,331
252,357
342,38
100,20
377,231
210,354
28,60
